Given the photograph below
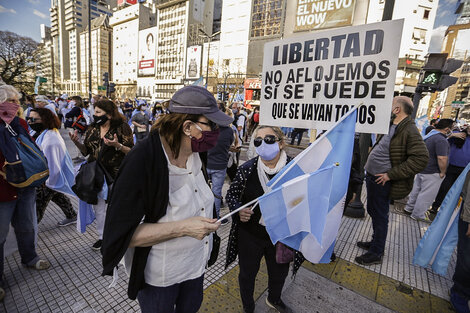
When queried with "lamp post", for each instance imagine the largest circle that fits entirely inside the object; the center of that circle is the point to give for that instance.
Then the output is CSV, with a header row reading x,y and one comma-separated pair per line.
x,y
209,40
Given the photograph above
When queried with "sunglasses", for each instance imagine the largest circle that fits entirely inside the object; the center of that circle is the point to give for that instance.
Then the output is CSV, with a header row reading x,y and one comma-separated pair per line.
x,y
212,125
33,120
268,139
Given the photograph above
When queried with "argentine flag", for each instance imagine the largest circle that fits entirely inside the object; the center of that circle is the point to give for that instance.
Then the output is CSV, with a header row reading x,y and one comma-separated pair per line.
x,y
324,196
439,241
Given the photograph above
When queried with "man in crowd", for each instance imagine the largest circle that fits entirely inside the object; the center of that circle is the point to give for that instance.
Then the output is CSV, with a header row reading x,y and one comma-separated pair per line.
x,y
239,119
427,182
217,160
391,166
431,126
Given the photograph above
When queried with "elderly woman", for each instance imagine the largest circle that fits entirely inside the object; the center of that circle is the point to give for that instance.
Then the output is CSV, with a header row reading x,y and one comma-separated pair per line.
x,y
248,236
110,137
61,174
161,211
16,204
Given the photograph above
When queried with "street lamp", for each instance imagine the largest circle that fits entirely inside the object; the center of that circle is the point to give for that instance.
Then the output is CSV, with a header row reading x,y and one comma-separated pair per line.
x,y
209,37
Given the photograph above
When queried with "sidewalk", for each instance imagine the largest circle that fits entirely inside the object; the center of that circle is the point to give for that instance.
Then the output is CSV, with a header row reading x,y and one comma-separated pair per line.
x,y
74,284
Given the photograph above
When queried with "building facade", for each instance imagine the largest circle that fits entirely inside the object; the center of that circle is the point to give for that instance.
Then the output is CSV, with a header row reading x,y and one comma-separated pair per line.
x,y
68,19
101,55
126,23
45,61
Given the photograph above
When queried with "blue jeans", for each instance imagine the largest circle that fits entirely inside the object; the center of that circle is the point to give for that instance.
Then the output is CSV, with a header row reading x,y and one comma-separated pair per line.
x,y
21,213
185,297
217,177
462,268
378,201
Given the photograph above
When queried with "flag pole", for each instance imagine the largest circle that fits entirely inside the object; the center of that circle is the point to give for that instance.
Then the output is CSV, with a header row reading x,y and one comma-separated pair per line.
x,y
237,210
299,156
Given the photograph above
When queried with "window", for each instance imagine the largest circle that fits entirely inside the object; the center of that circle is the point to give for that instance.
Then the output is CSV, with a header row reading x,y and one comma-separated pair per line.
x,y
419,34
426,14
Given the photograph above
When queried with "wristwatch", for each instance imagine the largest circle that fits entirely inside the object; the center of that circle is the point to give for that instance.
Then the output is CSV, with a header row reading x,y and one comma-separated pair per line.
x,y
120,147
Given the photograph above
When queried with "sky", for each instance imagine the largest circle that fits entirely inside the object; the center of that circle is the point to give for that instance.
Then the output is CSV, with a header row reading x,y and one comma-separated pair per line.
x,y
24,17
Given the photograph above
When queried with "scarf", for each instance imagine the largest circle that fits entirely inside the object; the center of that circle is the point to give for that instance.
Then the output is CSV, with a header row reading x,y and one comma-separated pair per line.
x,y
264,171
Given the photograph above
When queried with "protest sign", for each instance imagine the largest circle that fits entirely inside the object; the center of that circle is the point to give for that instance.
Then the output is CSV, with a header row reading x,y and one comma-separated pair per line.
x,y
310,81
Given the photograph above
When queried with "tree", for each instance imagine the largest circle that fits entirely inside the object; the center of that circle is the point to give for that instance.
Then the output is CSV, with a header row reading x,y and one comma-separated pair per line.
x,y
17,60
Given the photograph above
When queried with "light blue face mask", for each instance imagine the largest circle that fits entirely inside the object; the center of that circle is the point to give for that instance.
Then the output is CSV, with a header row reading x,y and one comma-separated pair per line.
x,y
268,151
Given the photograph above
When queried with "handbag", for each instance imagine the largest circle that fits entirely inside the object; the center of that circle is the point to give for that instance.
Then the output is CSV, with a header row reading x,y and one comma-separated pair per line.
x,y
284,254
89,180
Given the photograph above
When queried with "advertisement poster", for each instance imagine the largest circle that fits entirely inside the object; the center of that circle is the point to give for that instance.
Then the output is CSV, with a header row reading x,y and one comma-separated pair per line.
x,y
147,52
323,14
310,81
193,62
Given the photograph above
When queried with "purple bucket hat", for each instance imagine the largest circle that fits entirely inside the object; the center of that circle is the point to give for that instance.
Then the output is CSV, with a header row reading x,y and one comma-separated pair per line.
x,y
198,100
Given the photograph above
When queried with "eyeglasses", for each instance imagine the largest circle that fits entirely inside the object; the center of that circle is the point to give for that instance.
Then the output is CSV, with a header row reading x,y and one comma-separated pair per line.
x,y
33,120
211,124
268,139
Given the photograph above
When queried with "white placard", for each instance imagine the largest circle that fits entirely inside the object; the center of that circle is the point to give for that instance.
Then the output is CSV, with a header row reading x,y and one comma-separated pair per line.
x,y
310,81
147,51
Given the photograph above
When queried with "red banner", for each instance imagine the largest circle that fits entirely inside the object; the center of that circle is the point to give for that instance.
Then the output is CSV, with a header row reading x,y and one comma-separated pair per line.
x,y
146,64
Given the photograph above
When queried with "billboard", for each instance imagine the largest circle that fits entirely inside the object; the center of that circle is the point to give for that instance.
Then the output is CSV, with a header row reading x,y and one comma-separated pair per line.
x,y
122,2
147,52
193,62
310,81
323,14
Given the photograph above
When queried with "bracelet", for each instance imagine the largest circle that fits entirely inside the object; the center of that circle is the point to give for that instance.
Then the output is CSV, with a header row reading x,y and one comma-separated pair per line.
x,y
120,147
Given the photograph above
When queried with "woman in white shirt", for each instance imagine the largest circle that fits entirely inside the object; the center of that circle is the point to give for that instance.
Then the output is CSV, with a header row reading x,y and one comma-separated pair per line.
x,y
161,210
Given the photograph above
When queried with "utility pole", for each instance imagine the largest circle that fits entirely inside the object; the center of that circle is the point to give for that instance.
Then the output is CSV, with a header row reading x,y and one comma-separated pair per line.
x,y
89,50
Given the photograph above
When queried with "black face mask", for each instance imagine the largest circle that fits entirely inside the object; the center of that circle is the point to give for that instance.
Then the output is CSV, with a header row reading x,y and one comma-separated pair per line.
x,y
100,120
37,127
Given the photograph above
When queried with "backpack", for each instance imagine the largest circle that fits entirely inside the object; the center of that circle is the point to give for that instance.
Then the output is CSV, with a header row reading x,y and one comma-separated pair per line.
x,y
25,164
80,123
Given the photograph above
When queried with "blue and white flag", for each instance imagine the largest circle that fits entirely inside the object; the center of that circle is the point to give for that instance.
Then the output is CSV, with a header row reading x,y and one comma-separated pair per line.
x,y
85,216
439,241
36,85
298,210
199,82
334,147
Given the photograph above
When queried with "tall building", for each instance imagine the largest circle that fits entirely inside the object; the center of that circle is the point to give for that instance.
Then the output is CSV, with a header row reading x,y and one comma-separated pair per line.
x,y
126,23
45,61
419,17
463,9
68,19
101,54
179,27
456,41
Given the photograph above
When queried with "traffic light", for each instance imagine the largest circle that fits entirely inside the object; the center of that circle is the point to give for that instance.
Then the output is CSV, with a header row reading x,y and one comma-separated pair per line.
x,y
435,74
105,78
111,87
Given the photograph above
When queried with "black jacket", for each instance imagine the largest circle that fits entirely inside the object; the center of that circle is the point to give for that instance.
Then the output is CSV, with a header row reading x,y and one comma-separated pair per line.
x,y
141,189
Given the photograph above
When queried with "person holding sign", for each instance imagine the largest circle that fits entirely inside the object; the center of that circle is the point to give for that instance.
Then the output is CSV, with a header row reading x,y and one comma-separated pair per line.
x,y
391,167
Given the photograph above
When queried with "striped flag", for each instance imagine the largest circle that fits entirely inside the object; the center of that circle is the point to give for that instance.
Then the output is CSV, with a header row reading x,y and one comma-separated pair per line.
x,y
334,147
439,241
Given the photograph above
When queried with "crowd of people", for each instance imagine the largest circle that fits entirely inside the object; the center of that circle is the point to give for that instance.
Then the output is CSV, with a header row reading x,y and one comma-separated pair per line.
x,y
156,187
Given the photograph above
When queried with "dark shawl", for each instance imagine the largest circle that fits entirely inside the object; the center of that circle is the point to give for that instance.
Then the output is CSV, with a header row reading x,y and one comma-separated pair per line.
x,y
140,189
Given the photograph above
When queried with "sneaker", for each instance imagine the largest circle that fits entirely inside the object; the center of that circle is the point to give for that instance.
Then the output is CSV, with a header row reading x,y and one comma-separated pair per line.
x,y
40,265
279,306
364,244
224,222
67,221
97,245
425,219
369,258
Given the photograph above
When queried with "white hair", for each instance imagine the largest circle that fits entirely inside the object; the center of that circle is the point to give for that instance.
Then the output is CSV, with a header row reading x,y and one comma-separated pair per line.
x,y
8,92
